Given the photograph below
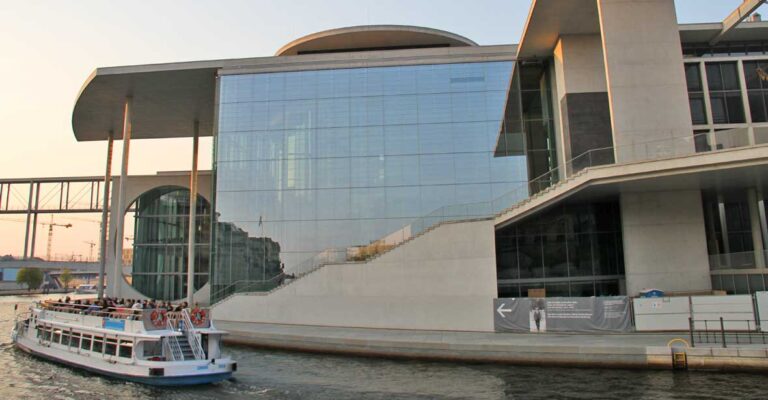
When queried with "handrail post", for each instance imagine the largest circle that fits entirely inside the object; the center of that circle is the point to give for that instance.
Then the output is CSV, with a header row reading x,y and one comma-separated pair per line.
x,y
690,331
722,332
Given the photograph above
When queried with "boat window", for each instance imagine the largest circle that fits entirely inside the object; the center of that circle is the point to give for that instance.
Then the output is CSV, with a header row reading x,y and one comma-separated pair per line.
x,y
85,344
110,348
47,334
75,339
40,331
65,338
153,349
98,344
126,349
56,336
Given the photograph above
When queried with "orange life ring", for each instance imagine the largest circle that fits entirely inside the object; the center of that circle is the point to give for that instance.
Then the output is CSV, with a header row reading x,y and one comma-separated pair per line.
x,y
158,318
197,316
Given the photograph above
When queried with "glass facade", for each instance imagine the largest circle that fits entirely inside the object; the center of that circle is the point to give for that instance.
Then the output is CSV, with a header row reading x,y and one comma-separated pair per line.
x,y
572,250
696,94
756,76
160,247
741,283
538,124
332,164
729,220
725,93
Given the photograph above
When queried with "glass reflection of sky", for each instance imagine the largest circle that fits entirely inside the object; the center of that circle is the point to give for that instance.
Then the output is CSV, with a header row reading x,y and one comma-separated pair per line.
x,y
339,158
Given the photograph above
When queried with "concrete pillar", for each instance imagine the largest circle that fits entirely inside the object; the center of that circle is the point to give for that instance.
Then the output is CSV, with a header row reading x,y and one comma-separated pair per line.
x,y
650,114
121,206
104,214
29,216
754,223
584,113
665,244
34,220
192,218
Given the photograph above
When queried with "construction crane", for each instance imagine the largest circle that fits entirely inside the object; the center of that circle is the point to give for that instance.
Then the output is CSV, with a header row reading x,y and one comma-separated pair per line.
x,y
90,252
50,235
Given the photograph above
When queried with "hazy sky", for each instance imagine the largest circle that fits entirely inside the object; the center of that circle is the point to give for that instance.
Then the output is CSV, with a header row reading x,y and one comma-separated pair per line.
x,y
48,48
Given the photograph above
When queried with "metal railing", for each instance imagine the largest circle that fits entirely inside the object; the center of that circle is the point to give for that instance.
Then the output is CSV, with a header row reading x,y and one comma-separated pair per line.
x,y
738,260
171,345
192,338
245,286
722,331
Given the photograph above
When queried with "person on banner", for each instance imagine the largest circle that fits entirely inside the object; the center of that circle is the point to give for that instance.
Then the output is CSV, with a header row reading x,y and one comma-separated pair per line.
x,y
538,316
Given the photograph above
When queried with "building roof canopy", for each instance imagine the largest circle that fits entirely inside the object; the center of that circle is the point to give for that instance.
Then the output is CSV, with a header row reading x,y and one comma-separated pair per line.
x,y
372,37
166,100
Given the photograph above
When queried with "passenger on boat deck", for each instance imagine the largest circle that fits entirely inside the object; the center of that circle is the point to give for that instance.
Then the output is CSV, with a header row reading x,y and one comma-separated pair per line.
x,y
137,306
92,308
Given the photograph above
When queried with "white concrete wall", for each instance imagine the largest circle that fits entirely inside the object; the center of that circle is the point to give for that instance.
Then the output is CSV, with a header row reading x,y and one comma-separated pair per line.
x,y
444,280
645,76
578,67
579,64
664,241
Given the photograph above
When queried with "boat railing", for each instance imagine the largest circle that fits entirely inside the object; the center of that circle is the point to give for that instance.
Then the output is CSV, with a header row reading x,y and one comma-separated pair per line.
x,y
192,338
85,309
171,345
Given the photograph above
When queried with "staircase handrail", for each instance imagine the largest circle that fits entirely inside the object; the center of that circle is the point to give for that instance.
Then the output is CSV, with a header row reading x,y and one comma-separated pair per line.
x,y
192,338
172,344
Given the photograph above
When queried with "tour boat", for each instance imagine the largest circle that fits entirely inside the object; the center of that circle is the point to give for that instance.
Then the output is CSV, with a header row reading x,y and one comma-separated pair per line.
x,y
151,346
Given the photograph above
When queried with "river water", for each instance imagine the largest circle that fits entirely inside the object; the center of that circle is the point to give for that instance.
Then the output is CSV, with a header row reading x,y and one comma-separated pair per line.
x,y
267,374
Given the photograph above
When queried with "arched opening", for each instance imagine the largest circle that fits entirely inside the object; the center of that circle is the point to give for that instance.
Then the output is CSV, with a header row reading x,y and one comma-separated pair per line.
x,y
159,251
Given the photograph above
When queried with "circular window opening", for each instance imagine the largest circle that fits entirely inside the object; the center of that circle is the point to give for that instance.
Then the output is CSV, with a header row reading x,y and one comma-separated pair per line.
x,y
157,253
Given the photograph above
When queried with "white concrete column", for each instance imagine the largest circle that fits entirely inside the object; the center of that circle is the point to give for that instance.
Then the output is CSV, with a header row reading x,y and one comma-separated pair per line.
x,y
646,80
754,223
104,214
664,240
121,206
192,218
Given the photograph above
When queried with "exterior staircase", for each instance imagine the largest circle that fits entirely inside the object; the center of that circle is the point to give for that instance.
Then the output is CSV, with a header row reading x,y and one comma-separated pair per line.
x,y
186,348
431,228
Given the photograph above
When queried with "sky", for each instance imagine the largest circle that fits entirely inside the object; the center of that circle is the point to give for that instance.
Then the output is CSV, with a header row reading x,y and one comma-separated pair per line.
x,y
48,48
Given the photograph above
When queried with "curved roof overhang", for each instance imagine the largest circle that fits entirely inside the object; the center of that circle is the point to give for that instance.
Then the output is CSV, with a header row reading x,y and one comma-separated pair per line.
x,y
373,37
166,100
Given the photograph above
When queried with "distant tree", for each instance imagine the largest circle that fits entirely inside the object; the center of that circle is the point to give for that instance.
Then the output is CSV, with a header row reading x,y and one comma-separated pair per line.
x,y
66,277
32,277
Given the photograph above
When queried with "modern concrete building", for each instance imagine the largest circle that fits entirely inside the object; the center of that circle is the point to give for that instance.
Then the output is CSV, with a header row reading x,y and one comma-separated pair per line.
x,y
404,177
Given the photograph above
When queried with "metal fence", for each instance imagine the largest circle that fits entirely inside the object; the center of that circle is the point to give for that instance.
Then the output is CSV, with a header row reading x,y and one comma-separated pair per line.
x,y
711,331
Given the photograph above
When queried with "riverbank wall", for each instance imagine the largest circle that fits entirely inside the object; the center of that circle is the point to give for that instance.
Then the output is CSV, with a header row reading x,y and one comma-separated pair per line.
x,y
626,350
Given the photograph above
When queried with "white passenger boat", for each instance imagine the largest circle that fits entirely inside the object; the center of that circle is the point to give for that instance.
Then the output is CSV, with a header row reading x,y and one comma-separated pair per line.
x,y
147,346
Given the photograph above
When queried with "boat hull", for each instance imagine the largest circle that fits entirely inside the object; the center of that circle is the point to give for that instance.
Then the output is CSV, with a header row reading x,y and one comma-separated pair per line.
x,y
174,380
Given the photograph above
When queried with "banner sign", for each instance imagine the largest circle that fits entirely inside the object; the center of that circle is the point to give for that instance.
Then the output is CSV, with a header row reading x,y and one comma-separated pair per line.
x,y
113,324
562,314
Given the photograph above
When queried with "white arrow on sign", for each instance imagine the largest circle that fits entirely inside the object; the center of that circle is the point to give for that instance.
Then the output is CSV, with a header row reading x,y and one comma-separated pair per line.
x,y
501,310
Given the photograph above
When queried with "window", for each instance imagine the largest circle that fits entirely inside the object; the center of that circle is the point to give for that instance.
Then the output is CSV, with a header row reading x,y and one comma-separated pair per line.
x,y
56,336
111,347
725,93
74,340
98,344
153,349
756,76
696,94
126,349
85,343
